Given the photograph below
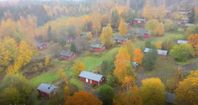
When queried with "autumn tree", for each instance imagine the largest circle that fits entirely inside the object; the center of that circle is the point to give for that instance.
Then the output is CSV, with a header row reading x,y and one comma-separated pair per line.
x,y
8,49
160,29
16,89
82,98
148,10
23,57
115,18
77,68
122,65
182,52
130,48
155,27
149,59
153,92
131,97
186,92
122,27
138,56
193,40
106,36
106,94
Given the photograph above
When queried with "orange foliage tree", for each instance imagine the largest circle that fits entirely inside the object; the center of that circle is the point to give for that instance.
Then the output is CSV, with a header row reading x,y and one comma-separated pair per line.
x,y
193,40
138,56
82,98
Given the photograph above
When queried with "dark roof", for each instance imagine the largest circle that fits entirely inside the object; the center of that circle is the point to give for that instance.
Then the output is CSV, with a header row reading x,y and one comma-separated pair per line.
x,y
66,53
46,88
91,76
119,37
170,98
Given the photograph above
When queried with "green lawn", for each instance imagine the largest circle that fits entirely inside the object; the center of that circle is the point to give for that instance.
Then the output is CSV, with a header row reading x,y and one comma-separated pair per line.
x,y
91,62
47,77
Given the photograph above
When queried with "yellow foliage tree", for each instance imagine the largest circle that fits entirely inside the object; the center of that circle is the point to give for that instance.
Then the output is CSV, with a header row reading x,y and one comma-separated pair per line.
x,y
153,91
106,36
130,48
89,35
186,92
130,97
160,29
77,68
122,65
122,27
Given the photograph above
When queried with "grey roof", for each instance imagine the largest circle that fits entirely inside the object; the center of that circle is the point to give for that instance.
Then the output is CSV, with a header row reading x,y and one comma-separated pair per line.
x,y
119,37
170,98
159,52
96,45
147,50
66,53
162,52
140,19
91,76
182,41
47,88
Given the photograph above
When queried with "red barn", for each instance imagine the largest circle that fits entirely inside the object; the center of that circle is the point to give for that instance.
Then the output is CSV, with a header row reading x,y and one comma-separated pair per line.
x,y
46,90
98,47
91,78
67,55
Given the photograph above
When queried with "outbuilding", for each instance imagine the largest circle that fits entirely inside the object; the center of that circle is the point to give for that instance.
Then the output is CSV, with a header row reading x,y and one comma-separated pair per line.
x,y
41,46
91,78
182,41
46,90
119,39
97,47
67,55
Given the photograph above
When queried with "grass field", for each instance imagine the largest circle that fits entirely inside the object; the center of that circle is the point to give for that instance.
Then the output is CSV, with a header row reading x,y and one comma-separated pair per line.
x,y
91,62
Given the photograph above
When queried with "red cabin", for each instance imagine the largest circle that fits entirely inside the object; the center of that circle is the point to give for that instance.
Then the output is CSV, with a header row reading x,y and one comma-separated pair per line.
x,y
46,90
91,78
98,47
67,55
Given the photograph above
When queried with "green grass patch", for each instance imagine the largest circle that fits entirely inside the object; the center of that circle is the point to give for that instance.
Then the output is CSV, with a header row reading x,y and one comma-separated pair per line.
x,y
77,83
47,77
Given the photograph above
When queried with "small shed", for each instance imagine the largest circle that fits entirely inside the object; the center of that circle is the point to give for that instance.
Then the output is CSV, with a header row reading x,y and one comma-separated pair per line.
x,y
41,45
162,52
137,21
182,41
170,98
144,33
70,39
97,47
119,39
159,51
67,55
46,90
147,50
91,78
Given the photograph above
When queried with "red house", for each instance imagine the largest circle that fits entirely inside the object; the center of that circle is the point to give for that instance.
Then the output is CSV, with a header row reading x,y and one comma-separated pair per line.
x,y
42,46
91,78
138,21
67,55
46,90
98,47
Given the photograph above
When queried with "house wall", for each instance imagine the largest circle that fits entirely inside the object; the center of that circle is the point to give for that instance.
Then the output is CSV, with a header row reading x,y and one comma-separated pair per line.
x,y
92,82
97,49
